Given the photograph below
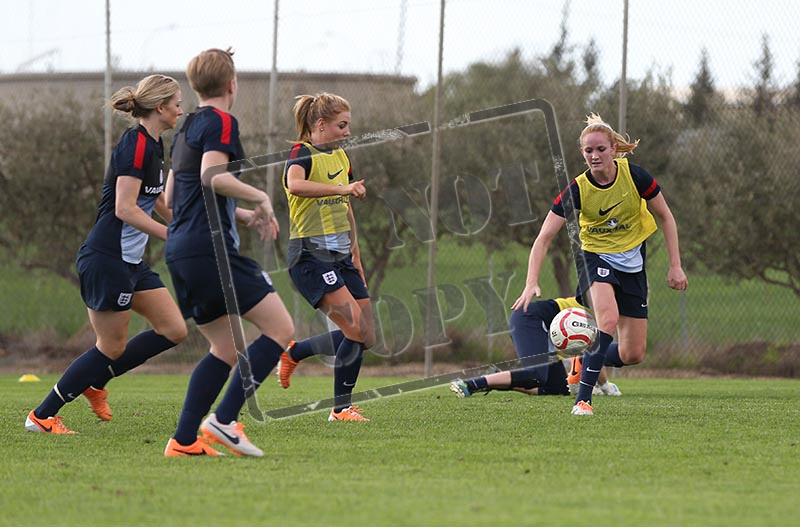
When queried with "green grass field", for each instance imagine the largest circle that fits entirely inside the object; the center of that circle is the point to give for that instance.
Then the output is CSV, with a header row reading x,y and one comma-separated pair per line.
x,y
668,452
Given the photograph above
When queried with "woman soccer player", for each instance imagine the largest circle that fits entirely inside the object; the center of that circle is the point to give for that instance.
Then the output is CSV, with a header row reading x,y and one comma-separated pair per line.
x,y
209,137
530,334
114,279
324,259
615,199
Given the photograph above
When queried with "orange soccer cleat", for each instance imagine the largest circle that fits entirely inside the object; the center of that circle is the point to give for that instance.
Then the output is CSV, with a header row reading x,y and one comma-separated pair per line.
x,y
51,425
351,413
198,448
98,400
287,366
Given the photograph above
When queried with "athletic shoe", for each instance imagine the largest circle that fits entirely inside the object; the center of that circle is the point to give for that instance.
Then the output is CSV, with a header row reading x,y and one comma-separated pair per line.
x,y
98,402
460,388
582,408
574,371
351,413
287,366
231,435
198,448
51,425
609,388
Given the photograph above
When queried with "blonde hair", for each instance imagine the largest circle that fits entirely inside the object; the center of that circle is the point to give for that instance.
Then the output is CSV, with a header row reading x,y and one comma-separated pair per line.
x,y
595,123
210,72
146,96
309,108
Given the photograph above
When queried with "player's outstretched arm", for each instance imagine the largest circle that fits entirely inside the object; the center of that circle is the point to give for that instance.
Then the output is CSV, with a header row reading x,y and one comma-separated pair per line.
x,y
676,278
552,224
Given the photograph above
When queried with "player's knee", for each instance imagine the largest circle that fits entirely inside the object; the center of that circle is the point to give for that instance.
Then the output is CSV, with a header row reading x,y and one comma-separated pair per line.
x,y
226,354
607,322
111,348
284,334
176,333
368,337
631,355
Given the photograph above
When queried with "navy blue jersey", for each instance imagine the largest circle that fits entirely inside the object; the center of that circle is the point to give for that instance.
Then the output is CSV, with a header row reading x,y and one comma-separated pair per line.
x,y
137,155
204,130
646,184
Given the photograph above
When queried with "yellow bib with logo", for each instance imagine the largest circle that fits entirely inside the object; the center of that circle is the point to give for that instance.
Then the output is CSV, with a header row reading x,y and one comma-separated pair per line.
x,y
322,215
616,218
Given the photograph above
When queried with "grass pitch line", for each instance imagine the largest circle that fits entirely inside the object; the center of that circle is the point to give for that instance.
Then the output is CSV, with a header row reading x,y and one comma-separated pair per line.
x,y
413,386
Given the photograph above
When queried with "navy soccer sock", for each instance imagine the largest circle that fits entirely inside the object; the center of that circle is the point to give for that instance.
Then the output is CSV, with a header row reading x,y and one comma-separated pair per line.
x,y
76,378
477,384
345,372
612,357
556,381
263,354
207,380
138,350
324,344
592,364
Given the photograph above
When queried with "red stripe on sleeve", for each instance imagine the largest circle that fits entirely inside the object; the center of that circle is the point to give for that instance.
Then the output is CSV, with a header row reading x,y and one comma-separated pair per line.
x,y
225,137
295,151
138,157
650,189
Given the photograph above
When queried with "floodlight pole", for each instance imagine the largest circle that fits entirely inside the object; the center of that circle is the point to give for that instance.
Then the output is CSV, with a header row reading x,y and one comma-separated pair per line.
x,y
623,81
434,205
269,248
107,90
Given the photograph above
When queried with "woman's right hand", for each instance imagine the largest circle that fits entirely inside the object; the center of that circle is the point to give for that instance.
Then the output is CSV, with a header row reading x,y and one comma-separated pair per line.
x,y
525,298
263,219
355,189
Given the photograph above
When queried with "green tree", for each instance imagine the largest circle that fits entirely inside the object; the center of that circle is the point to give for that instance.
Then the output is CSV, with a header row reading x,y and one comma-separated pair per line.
x,y
764,90
590,60
51,172
738,207
702,96
793,100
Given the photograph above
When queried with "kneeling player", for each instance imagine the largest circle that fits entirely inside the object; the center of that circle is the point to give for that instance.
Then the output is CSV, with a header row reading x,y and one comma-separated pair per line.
x,y
529,332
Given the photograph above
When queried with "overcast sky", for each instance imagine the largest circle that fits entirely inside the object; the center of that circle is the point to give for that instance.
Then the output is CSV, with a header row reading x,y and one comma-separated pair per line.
x,y
363,36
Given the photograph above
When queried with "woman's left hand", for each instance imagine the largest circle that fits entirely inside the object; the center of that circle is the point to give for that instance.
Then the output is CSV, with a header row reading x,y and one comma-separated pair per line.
x,y
676,279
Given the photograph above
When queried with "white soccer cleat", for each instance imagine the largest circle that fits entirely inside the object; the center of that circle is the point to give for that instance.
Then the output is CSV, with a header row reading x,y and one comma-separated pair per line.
x,y
609,388
231,436
582,408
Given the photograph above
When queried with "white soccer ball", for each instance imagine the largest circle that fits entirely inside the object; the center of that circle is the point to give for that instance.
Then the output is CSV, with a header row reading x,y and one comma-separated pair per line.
x,y
573,331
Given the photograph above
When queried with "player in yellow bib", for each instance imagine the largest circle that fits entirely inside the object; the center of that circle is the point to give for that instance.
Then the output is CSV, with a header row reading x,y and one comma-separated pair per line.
x,y
324,259
615,200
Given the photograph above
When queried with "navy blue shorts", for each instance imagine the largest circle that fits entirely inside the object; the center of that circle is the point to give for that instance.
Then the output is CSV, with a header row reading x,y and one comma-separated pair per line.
x,y
630,289
198,287
108,283
314,277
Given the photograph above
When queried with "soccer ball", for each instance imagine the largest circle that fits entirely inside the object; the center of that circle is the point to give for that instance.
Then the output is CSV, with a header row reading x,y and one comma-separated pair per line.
x,y
573,331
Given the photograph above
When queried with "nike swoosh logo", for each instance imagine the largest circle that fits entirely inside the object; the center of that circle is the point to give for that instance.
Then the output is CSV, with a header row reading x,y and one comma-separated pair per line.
x,y
573,372
332,176
232,439
348,385
47,429
188,453
603,212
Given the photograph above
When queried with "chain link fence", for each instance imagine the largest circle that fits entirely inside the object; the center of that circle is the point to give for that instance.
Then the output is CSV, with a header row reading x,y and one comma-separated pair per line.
x,y
718,128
